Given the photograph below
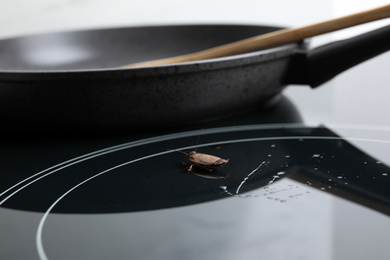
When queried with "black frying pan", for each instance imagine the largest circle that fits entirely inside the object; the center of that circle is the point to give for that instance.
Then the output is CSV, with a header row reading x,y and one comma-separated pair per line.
x,y
71,81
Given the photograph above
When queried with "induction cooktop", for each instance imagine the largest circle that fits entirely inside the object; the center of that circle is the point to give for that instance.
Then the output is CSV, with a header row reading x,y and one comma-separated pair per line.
x,y
132,196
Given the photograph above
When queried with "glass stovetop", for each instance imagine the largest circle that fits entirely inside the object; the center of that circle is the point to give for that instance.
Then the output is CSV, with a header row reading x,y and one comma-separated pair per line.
x,y
306,178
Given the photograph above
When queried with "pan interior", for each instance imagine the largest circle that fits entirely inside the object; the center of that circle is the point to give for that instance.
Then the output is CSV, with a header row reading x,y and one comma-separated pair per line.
x,y
107,48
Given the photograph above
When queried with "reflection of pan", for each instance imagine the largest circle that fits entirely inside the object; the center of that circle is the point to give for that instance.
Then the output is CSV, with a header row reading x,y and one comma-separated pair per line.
x,y
69,80
141,175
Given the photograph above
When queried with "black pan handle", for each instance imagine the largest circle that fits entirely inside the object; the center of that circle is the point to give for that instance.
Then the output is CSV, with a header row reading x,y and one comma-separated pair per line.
x,y
315,67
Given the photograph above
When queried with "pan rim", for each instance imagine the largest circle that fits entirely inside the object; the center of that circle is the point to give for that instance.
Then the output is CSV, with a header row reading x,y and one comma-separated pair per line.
x,y
185,67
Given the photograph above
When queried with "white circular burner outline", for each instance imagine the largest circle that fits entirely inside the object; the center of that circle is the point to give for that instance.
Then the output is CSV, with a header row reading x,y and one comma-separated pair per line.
x,y
112,149
39,242
46,172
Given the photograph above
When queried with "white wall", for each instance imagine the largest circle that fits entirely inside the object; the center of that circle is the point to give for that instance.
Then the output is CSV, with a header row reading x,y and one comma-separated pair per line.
x,y
19,17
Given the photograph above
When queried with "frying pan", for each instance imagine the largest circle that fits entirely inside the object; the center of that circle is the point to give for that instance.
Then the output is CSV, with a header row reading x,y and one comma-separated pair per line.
x,y
70,81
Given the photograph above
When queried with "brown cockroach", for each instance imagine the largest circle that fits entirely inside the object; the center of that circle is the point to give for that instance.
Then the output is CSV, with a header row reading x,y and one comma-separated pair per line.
x,y
202,160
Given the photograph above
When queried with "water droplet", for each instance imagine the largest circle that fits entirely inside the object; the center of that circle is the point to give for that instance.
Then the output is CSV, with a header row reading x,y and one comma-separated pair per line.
x,y
224,188
273,145
384,174
287,156
322,188
378,162
282,201
281,173
339,177
269,155
315,156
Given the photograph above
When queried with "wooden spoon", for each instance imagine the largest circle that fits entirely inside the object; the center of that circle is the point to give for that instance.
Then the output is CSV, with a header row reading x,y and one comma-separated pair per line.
x,y
274,38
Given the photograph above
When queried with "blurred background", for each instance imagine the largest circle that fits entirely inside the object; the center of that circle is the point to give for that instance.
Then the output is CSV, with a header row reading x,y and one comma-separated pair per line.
x,y
20,17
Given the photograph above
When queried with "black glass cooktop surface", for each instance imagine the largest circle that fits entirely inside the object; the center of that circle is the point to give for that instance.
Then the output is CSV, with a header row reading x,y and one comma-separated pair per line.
x,y
132,196
307,178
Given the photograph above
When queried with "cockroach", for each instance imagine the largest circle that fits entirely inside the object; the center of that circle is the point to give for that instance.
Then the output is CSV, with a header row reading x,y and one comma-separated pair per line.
x,y
202,160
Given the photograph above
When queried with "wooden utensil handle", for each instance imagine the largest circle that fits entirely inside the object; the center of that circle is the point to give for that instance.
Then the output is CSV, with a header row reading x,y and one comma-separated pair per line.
x,y
275,38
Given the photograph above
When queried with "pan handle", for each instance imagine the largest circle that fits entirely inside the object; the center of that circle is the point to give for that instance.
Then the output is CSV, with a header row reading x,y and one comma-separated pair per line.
x,y
315,67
